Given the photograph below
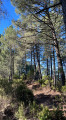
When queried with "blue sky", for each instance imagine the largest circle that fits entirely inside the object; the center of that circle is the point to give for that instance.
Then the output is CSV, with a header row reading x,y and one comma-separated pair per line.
x,y
5,22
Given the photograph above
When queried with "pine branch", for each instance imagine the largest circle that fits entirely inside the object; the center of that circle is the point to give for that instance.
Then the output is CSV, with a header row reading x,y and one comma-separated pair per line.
x,y
46,8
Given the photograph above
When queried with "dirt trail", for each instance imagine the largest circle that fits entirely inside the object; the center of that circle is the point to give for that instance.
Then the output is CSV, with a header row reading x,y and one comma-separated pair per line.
x,y
37,90
46,96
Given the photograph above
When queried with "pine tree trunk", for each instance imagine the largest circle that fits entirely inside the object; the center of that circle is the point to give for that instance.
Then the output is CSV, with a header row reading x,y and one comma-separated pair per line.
x,y
25,64
38,61
10,64
31,59
51,65
47,67
59,59
58,75
57,50
13,64
54,67
9,79
64,11
34,62
19,74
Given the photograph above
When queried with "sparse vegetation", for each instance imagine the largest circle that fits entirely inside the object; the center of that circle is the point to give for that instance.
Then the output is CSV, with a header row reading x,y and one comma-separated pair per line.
x,y
45,114
20,113
46,80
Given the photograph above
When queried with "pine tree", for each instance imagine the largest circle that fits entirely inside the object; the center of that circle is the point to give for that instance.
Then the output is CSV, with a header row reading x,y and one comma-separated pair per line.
x,y
45,17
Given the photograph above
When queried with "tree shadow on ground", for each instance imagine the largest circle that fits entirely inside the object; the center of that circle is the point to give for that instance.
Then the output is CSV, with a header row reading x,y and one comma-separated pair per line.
x,y
48,100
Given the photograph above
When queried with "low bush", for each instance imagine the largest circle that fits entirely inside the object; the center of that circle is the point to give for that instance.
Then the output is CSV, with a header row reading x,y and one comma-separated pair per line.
x,y
17,81
41,81
46,80
34,108
30,75
63,89
4,102
2,91
16,76
45,114
59,85
7,86
20,113
23,94
23,76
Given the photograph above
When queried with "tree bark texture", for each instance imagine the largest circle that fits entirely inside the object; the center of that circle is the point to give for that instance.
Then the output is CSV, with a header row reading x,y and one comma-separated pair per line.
x,y
64,11
34,62
38,60
47,67
54,72
51,65
56,49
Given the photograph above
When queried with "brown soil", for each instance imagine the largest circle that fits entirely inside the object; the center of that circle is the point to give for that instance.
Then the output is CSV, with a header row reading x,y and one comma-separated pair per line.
x,y
47,96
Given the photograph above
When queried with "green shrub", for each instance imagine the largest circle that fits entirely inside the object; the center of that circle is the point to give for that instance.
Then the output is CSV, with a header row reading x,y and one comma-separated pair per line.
x,y
3,82
23,94
34,108
43,85
23,76
20,113
63,89
17,81
30,75
45,114
59,86
58,114
45,80
6,85
45,77
16,76
2,92
41,81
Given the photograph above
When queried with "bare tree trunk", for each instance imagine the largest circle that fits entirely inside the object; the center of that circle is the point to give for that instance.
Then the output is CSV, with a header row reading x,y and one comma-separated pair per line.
x,y
58,75
25,64
54,67
59,59
31,59
9,79
51,65
38,61
47,67
57,50
19,74
10,65
34,62
64,11
13,63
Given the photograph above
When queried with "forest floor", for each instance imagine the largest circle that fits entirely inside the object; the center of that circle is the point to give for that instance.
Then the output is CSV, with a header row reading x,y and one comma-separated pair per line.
x,y
48,97
44,96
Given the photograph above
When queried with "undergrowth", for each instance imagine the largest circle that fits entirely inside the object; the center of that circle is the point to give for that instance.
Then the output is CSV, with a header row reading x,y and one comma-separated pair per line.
x,y
24,99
